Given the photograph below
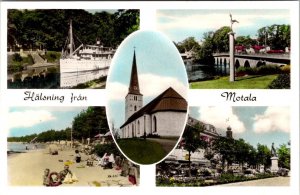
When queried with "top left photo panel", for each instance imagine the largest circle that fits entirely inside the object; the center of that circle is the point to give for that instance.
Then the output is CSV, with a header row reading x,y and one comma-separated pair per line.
x,y
64,48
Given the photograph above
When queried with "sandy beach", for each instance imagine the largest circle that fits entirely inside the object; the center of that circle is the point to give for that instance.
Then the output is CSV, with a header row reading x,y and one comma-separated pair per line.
x,y
27,169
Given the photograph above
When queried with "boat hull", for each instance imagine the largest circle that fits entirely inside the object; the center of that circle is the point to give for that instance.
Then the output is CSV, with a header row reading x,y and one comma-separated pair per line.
x,y
74,71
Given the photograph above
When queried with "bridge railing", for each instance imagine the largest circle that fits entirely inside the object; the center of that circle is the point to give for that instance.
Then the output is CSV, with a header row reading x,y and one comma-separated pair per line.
x,y
285,55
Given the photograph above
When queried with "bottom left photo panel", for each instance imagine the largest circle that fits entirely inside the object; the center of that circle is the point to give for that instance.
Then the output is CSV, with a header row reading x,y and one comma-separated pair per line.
x,y
65,146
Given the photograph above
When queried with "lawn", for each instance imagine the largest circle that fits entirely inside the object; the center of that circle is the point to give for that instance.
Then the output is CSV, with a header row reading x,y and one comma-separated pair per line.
x,y
245,82
142,151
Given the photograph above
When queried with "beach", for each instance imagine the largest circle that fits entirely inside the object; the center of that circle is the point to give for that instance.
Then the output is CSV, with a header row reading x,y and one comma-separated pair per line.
x,y
27,169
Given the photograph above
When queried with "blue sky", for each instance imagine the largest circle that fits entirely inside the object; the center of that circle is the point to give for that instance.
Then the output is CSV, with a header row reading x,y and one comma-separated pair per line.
x,y
159,66
29,120
255,125
180,24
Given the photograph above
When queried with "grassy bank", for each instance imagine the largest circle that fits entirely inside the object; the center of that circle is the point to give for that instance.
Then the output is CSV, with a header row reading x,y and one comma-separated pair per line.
x,y
245,82
142,151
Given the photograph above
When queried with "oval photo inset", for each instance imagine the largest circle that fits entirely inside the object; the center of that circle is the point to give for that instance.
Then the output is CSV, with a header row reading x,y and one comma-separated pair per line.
x,y
147,97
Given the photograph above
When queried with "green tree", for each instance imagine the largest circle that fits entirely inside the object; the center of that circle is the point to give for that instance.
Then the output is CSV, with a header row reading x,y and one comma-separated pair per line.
x,y
226,148
89,123
276,36
246,41
284,156
48,28
221,39
205,54
192,141
263,155
188,44
242,151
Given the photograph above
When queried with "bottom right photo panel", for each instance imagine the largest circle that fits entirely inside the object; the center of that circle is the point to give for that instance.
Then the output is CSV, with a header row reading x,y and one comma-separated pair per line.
x,y
231,146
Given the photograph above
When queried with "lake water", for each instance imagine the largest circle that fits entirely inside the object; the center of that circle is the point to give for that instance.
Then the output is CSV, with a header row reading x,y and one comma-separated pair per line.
x,y
21,147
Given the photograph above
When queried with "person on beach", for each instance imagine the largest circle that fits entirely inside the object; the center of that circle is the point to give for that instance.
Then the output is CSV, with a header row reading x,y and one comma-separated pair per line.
x,y
64,173
77,156
46,178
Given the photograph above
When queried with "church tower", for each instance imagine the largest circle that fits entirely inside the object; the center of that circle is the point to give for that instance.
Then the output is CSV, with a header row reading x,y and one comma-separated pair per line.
x,y
229,133
134,99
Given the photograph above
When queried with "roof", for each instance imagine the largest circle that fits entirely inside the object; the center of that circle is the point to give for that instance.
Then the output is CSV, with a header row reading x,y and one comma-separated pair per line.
x,y
169,100
134,80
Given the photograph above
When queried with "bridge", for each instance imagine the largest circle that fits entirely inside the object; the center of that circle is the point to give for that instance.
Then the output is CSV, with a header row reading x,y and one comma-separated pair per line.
x,y
252,60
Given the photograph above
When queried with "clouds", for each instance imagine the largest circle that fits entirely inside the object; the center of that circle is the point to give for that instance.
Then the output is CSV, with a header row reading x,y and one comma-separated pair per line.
x,y
201,21
116,91
217,116
150,86
273,119
29,118
243,120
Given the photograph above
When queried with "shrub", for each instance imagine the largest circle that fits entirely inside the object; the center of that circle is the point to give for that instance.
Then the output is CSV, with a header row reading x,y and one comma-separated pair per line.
x,y
28,60
52,56
262,70
17,57
246,70
283,81
150,135
268,69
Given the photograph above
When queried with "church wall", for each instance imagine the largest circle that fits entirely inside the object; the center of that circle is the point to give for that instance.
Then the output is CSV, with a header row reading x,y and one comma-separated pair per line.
x,y
139,126
169,123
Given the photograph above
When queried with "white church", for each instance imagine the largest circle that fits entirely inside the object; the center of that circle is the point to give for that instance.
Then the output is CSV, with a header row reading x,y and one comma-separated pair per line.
x,y
165,115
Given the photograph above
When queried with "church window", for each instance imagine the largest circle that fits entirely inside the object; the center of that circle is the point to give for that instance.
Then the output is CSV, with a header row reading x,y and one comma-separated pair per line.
x,y
154,124
138,128
144,124
133,130
134,108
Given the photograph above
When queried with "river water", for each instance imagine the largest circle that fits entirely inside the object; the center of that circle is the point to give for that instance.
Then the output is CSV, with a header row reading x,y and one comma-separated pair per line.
x,y
200,72
56,80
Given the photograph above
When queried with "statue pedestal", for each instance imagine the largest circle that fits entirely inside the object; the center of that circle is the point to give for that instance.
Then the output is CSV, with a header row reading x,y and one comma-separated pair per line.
x,y
261,168
274,164
231,57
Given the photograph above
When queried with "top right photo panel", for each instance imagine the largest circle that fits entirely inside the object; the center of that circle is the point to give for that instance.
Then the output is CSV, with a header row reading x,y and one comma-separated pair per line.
x,y
231,49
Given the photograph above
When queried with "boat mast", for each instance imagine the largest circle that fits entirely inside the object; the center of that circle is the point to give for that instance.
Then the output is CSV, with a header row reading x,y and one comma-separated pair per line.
x,y
71,39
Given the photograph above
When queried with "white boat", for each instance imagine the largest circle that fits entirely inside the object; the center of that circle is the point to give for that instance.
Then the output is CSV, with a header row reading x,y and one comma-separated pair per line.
x,y
83,64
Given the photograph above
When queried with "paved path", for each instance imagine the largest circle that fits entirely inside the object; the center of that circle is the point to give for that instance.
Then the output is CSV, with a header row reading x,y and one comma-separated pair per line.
x,y
275,181
167,144
37,58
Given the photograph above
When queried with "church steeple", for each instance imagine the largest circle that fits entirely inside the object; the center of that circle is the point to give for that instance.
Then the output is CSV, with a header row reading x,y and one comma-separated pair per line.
x,y
134,80
134,98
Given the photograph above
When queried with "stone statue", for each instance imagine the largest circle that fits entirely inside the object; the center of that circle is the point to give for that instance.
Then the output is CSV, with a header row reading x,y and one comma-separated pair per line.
x,y
273,151
232,21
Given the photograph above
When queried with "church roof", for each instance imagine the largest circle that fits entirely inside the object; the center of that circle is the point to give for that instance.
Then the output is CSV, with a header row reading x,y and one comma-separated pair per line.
x,y
169,100
134,80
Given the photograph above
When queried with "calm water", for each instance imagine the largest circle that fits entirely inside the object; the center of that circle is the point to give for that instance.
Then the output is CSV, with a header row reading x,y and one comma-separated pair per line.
x,y
198,72
21,147
53,80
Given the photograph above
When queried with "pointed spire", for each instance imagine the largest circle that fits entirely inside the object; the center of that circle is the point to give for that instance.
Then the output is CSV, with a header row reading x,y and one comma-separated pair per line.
x,y
134,80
